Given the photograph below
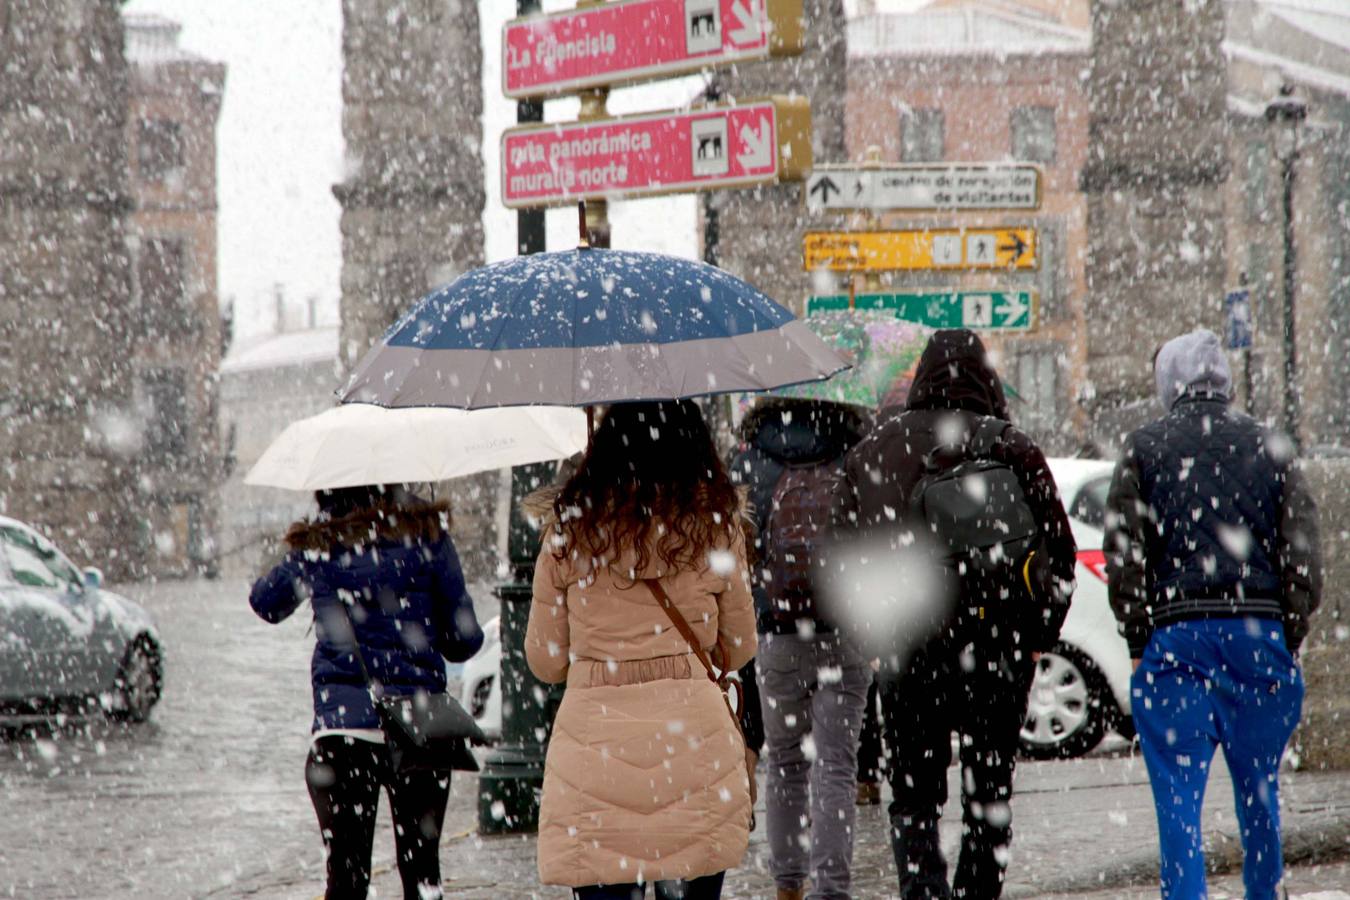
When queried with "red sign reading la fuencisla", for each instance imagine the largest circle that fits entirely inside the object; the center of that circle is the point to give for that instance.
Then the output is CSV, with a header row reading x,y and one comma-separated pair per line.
x,y
627,41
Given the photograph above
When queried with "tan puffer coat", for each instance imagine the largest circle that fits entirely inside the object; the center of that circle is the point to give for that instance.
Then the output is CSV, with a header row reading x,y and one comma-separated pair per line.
x,y
645,776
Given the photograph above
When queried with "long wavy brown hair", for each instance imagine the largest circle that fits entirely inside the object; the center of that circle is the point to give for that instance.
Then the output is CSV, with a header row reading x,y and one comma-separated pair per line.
x,y
652,470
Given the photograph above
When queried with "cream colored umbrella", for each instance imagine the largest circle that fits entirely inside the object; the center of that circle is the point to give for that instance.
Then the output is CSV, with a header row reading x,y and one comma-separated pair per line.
x,y
358,443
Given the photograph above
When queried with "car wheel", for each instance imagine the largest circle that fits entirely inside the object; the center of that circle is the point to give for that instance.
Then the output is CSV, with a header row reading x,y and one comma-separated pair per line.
x,y
1068,707
138,683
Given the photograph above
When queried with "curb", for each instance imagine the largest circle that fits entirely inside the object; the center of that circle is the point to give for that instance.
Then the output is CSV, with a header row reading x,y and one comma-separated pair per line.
x,y
1323,841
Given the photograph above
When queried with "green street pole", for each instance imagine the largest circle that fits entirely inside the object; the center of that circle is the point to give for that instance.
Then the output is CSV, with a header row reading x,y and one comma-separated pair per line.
x,y
513,776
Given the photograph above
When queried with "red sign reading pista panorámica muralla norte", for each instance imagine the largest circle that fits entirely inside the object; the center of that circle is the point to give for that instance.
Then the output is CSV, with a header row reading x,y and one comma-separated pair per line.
x,y
724,146
635,40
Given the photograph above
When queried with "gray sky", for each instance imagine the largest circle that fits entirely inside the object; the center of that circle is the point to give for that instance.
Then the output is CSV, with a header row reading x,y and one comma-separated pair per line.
x,y
281,150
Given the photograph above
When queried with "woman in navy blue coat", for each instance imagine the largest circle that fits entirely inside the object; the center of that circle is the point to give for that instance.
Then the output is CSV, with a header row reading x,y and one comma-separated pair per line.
x,y
378,565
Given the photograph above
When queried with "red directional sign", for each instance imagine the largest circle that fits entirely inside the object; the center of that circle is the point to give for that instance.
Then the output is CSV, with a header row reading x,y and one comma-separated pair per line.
x,y
658,153
634,40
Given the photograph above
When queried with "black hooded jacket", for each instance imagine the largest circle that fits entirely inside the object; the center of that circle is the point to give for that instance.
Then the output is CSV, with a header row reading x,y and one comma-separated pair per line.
x,y
779,434
954,382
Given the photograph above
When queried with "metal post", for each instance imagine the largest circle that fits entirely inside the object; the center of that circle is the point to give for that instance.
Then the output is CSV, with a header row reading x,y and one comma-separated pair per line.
x,y
1291,400
1287,112
513,777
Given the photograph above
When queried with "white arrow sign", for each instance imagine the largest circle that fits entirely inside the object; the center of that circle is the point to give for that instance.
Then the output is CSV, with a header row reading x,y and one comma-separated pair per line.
x,y
958,186
751,27
758,145
1012,309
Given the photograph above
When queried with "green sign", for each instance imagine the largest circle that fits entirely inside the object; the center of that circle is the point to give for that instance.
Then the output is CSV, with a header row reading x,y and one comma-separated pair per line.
x,y
977,310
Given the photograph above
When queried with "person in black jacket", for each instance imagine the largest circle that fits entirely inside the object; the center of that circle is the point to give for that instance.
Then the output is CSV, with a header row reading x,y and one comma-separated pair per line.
x,y
1213,569
972,675
790,446
381,577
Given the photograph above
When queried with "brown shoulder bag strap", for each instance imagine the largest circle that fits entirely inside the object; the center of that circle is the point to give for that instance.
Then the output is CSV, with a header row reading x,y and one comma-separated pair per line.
x,y
682,626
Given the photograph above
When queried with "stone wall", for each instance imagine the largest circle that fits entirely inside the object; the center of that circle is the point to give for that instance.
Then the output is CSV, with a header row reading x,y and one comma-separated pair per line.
x,y
1157,162
412,203
1323,739
760,229
68,437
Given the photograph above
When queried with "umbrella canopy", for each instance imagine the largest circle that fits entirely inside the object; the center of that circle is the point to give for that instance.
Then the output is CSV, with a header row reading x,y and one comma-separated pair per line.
x,y
882,349
586,327
360,444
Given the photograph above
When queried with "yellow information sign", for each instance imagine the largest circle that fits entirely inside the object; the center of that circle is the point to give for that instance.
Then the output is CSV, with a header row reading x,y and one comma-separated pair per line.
x,y
908,251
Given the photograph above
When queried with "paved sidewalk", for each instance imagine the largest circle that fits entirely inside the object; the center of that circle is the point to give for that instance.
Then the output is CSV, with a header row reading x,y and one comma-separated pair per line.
x,y
1082,828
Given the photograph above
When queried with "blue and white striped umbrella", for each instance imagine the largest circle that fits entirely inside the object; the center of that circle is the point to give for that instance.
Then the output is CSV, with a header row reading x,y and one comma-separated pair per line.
x,y
587,327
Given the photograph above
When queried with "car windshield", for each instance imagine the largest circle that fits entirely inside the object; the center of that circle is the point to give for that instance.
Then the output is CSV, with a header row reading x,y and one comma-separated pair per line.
x,y
1090,504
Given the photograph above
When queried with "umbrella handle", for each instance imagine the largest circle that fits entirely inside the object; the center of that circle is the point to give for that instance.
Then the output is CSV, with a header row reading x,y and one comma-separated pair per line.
x,y
585,242
590,422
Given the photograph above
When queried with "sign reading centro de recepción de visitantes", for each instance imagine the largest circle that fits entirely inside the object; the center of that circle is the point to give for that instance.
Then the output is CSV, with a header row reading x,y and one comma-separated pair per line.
x,y
936,187
749,143
985,310
635,40
907,251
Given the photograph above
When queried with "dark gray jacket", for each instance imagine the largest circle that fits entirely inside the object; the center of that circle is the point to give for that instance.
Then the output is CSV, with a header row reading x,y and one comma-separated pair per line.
x,y
1208,516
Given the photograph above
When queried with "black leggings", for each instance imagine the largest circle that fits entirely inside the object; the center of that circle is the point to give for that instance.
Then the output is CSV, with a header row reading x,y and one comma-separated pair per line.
x,y
344,777
709,887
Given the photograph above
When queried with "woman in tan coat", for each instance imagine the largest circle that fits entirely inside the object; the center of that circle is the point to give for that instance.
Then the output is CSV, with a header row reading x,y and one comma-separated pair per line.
x,y
645,779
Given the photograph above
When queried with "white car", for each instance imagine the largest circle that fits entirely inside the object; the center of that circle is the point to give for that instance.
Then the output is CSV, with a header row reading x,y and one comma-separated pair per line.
x,y
68,645
1081,690
481,691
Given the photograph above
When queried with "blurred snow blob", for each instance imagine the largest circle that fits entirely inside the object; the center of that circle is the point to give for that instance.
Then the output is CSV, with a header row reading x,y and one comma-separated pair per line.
x,y
887,593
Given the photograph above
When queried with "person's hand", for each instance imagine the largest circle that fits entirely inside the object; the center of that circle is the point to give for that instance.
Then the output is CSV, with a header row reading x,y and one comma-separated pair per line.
x,y
1134,665
1036,656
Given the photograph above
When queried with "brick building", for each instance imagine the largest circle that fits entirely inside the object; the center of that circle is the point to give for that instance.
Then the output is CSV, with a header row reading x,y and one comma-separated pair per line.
x,y
1008,80
175,100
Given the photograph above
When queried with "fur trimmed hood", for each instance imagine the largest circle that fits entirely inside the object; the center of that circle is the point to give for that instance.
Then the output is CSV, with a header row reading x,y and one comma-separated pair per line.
x,y
391,522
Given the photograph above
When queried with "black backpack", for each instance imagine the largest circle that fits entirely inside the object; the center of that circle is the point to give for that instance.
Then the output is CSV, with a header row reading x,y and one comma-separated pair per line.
x,y
796,528
974,509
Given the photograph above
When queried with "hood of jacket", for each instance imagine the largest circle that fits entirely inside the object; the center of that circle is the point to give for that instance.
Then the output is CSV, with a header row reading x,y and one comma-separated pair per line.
x,y
954,373
1193,365
387,522
797,432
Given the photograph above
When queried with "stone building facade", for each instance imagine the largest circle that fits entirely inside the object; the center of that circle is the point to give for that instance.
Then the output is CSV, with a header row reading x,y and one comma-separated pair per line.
x,y
412,203
265,386
68,430
171,139
1158,135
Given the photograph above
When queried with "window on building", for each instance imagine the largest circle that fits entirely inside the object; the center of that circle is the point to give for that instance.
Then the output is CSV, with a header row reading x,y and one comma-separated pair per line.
x,y
159,148
922,135
162,269
166,425
1033,134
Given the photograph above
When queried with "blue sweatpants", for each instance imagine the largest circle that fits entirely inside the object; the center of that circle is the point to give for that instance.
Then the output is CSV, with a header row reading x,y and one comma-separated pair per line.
x,y
1204,684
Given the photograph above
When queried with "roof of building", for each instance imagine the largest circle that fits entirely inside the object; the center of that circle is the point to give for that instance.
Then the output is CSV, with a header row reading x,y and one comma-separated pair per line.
x,y
153,39
279,351
964,27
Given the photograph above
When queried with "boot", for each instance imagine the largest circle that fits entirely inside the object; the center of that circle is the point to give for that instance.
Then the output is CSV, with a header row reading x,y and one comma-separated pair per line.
x,y
792,893
869,793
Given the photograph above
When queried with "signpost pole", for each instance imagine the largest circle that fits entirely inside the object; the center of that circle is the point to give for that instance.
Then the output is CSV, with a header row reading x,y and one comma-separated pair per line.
x,y
513,776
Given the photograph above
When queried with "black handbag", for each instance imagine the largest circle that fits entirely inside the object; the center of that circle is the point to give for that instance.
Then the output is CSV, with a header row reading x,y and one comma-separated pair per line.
x,y
422,731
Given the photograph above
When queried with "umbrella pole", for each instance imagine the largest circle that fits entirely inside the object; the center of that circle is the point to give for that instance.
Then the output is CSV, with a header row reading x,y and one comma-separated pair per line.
x,y
590,426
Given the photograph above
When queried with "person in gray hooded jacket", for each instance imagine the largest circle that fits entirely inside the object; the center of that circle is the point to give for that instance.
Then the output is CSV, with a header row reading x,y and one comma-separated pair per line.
x,y
1213,570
